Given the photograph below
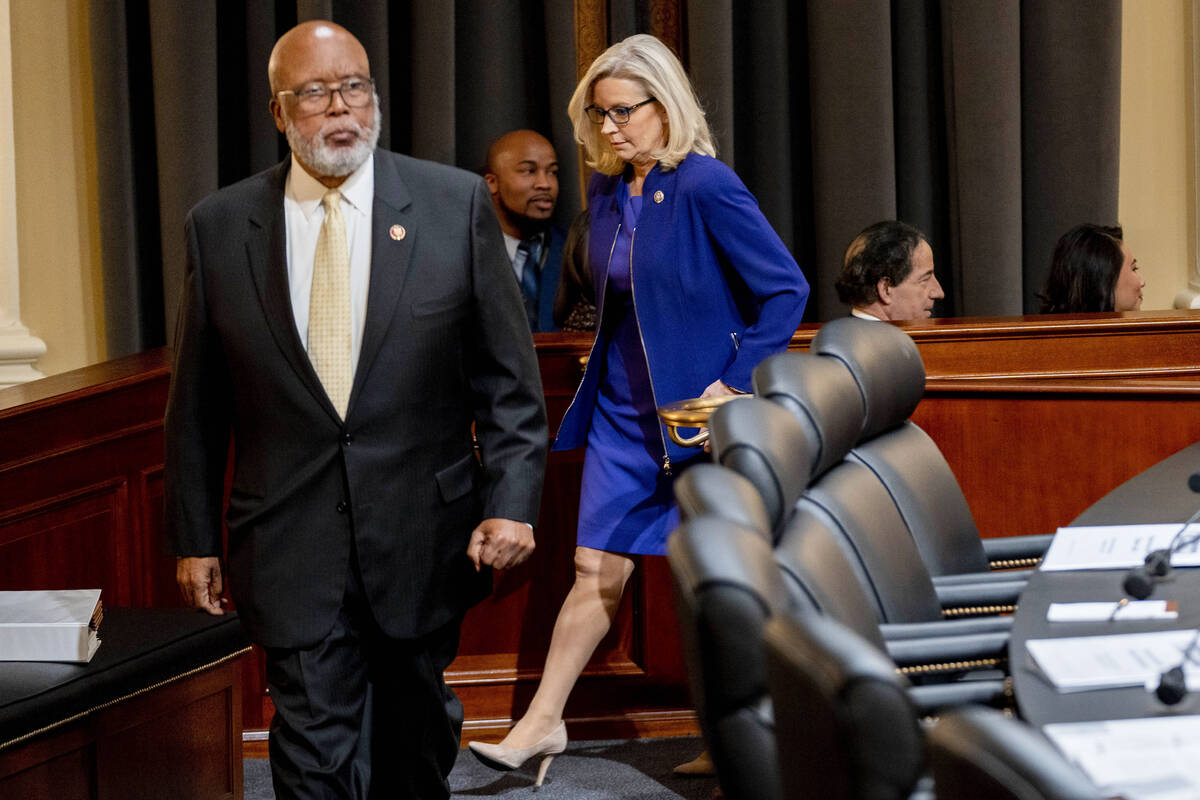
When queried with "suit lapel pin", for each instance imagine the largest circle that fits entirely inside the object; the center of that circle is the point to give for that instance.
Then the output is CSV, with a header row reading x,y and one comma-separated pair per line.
x,y
397,232
658,196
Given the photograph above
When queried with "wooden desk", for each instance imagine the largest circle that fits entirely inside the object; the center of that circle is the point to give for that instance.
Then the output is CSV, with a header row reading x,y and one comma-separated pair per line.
x,y
1159,494
155,714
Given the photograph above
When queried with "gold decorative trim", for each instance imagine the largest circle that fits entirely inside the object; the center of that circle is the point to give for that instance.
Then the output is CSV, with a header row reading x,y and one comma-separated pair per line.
x,y
950,666
976,611
1015,563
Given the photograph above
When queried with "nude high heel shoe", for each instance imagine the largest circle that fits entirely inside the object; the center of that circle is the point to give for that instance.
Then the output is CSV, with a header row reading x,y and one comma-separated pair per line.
x,y
508,758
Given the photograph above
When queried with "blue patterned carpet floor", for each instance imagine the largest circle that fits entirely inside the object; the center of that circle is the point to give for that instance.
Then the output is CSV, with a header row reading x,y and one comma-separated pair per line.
x,y
598,770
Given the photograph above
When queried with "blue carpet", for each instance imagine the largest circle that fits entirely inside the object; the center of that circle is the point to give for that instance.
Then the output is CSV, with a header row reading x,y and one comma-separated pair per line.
x,y
598,770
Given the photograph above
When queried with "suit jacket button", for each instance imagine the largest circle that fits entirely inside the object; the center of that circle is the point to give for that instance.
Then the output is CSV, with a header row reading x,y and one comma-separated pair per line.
x,y
347,438
343,507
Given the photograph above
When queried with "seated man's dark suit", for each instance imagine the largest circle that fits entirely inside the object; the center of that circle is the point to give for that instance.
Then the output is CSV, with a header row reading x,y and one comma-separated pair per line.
x,y
381,505
549,277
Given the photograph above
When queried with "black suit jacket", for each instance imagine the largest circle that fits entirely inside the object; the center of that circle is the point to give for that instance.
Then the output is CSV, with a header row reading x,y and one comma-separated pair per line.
x,y
445,345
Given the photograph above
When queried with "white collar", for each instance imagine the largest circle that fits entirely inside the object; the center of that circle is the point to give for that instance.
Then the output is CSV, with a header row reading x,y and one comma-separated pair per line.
x,y
358,189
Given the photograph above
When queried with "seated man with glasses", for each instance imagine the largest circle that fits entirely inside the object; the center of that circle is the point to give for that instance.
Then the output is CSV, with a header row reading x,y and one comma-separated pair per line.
x,y
347,317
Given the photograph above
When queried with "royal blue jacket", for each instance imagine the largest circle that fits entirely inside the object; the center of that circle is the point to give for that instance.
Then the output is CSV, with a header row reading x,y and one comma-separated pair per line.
x,y
715,291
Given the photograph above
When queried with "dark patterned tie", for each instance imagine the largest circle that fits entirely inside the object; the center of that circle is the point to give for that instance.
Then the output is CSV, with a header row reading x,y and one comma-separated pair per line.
x,y
530,275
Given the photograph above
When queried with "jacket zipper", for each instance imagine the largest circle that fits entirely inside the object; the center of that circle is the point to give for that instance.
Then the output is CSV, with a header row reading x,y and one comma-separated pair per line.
x,y
666,465
599,318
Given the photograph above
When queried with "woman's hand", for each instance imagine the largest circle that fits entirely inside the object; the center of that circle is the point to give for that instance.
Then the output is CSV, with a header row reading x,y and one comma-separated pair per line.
x,y
717,389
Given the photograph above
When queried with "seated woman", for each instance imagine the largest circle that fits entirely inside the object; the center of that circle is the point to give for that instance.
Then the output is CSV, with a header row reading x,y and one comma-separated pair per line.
x,y
1092,270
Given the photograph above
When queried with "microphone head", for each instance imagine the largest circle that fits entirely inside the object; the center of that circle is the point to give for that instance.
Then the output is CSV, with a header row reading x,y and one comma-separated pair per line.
x,y
1138,584
1172,687
1194,482
1158,563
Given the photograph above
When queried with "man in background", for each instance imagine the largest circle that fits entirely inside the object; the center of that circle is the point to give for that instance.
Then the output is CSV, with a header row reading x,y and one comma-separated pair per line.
x,y
887,274
522,175
348,317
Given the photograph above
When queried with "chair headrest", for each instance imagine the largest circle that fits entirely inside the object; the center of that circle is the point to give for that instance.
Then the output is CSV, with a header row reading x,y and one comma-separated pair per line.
x,y
823,394
768,446
713,490
885,363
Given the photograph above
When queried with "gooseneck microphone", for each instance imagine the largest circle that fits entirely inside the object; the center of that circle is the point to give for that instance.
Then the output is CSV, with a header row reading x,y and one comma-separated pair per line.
x,y
1172,684
1139,581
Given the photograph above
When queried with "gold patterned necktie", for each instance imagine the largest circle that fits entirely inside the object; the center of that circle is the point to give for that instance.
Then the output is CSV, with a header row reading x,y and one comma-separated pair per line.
x,y
329,305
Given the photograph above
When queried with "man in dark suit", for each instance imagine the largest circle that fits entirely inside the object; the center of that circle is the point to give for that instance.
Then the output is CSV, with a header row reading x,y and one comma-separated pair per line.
x,y
348,318
522,175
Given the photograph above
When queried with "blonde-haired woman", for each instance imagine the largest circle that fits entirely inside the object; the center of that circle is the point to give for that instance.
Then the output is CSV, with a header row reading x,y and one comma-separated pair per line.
x,y
694,288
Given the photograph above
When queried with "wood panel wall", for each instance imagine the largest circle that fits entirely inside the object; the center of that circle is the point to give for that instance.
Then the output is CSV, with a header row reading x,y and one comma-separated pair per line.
x,y
1039,417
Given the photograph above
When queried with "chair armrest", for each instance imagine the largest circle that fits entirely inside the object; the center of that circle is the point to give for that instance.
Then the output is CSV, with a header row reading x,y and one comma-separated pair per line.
x,y
989,597
983,577
897,631
933,697
949,653
1009,549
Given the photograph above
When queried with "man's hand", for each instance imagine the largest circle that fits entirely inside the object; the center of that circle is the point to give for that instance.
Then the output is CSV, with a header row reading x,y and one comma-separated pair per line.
x,y
200,583
500,543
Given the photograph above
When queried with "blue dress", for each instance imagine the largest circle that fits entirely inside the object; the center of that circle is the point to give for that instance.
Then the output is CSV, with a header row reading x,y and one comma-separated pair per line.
x,y
627,504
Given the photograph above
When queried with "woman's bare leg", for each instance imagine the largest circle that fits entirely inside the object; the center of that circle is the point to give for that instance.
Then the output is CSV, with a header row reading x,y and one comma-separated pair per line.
x,y
585,617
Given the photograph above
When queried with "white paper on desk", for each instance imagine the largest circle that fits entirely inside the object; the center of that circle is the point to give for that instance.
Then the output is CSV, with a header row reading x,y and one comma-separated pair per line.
x,y
1080,663
1117,546
1139,759
1103,612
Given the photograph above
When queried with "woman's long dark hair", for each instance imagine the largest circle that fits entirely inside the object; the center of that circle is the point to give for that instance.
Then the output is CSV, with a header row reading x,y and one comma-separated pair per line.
x,y
1083,271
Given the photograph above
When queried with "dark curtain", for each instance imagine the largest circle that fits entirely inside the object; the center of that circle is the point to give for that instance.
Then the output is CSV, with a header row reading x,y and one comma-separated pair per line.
x,y
991,125
181,108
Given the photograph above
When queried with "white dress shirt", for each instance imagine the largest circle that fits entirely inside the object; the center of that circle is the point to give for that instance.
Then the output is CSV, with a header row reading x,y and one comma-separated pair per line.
x,y
512,244
303,215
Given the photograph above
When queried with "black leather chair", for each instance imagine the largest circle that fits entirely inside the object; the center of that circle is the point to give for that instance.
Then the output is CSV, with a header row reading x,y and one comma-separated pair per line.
x,y
817,570
845,724
773,448
713,490
763,443
886,365
820,391
979,754
727,586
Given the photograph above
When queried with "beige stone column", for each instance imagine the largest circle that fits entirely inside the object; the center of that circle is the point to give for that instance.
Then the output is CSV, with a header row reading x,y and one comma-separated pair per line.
x,y
1190,297
19,349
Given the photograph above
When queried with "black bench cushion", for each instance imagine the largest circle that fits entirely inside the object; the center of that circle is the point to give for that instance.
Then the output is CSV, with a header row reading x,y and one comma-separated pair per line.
x,y
140,647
